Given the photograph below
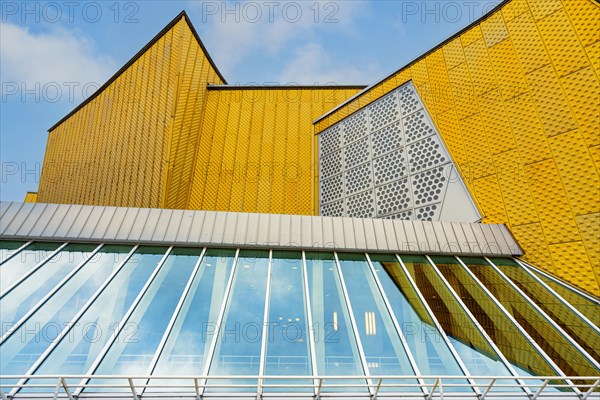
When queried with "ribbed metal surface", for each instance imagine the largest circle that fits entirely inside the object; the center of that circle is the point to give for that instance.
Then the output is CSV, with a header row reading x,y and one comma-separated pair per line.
x,y
158,226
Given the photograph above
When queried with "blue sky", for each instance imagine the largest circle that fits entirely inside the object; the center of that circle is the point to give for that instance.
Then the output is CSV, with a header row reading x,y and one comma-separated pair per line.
x,y
54,54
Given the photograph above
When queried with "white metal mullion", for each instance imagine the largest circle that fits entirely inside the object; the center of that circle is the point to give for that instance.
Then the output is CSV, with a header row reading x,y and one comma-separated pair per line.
x,y
386,302
484,334
77,316
544,315
17,251
558,296
361,352
176,313
513,321
560,283
437,324
265,331
123,321
33,270
213,344
52,292
309,320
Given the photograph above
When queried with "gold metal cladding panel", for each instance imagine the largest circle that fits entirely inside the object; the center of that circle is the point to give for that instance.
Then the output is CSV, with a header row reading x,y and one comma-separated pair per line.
x,y
515,97
256,149
136,140
31,197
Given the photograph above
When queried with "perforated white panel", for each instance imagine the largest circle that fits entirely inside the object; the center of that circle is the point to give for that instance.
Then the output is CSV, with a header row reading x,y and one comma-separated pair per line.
x,y
387,160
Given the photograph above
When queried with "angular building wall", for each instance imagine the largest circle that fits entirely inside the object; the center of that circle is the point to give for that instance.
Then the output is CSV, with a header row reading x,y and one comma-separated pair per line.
x,y
515,98
256,148
389,161
134,140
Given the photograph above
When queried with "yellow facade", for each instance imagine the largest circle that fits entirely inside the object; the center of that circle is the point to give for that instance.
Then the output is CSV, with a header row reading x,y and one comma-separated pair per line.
x,y
134,143
256,149
516,99
31,197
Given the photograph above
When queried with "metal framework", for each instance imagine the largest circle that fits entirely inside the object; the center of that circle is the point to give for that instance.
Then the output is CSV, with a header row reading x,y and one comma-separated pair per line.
x,y
322,386
371,387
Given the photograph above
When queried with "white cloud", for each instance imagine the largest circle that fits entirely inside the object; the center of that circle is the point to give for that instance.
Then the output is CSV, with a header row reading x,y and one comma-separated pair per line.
x,y
313,64
240,34
54,57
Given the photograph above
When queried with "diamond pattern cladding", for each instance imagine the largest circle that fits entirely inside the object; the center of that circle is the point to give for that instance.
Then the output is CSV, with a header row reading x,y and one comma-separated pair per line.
x,y
386,160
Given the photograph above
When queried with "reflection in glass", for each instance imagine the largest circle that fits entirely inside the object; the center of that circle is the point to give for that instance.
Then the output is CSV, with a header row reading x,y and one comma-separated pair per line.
x,y
76,352
134,347
8,248
381,344
522,355
574,326
335,345
288,351
189,340
24,297
470,344
554,344
430,350
585,306
26,344
240,337
20,265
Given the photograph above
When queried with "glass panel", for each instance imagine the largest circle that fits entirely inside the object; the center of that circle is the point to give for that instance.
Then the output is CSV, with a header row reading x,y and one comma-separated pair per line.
x,y
335,345
133,349
29,292
239,342
8,248
381,344
515,347
288,351
574,326
585,306
430,350
76,353
470,344
25,346
192,332
554,344
18,266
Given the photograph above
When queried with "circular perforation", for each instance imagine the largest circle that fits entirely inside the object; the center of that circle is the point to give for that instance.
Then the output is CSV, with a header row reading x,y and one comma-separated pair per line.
x,y
389,167
409,100
331,165
417,126
355,127
384,111
358,179
330,140
427,213
361,205
425,154
356,153
387,139
332,189
428,186
405,215
393,197
335,209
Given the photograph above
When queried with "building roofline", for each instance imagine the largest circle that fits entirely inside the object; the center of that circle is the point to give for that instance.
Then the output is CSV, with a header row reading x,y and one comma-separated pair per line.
x,y
133,59
282,87
414,61
53,222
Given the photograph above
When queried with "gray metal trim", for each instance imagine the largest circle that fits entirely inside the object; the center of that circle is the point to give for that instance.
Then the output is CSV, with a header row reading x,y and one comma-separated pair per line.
x,y
262,231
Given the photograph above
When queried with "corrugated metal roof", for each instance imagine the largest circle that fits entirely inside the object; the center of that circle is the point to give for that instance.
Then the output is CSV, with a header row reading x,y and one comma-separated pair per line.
x,y
66,222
